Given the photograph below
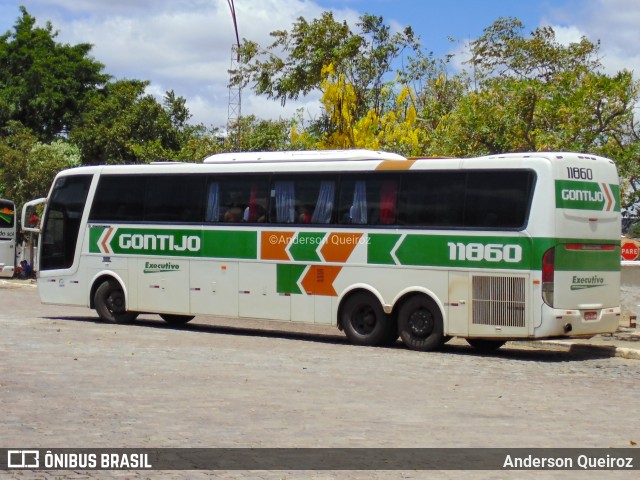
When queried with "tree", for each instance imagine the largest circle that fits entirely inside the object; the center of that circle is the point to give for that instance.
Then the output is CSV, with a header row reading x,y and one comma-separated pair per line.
x,y
43,83
435,91
120,124
364,59
396,129
28,166
533,93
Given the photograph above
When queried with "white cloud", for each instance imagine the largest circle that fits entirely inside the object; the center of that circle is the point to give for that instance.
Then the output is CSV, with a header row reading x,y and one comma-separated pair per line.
x,y
180,45
185,45
612,22
567,35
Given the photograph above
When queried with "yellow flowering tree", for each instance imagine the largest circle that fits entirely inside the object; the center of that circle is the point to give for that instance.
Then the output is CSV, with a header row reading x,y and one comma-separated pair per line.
x,y
395,130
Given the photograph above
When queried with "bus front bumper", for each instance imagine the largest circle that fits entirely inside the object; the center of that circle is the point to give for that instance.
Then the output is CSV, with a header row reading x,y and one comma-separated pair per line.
x,y
6,271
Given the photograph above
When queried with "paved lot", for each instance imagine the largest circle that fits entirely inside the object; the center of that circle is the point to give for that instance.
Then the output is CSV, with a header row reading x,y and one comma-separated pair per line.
x,y
69,380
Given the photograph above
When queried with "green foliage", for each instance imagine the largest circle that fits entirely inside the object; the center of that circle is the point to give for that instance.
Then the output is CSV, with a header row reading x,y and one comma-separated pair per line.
x,y
532,94
200,144
308,48
364,58
258,135
28,166
43,83
121,124
518,92
503,50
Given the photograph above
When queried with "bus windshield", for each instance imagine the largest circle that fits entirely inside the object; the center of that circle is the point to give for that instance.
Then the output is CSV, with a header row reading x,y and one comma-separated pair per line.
x,y
7,215
7,238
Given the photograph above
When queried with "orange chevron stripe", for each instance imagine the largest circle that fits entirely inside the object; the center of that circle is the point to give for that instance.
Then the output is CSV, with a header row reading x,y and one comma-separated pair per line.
x,y
105,240
273,245
396,164
610,202
319,280
339,246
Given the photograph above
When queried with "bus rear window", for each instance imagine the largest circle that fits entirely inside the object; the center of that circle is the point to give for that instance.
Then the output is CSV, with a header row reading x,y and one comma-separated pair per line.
x,y
483,199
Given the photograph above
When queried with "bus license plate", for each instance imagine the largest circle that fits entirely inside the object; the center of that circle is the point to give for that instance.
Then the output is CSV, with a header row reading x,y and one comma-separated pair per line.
x,y
590,315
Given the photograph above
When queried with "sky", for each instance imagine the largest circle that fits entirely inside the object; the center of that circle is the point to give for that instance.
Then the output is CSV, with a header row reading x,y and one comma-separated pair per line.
x,y
185,45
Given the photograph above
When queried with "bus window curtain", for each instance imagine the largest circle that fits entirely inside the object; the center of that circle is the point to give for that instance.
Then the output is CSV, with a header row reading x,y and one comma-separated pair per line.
x,y
324,204
285,202
213,203
388,194
250,214
358,211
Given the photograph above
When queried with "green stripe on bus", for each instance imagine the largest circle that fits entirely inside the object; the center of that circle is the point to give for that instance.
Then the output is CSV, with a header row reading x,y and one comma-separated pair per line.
x,y
287,278
304,246
175,242
587,260
413,249
464,251
379,248
230,244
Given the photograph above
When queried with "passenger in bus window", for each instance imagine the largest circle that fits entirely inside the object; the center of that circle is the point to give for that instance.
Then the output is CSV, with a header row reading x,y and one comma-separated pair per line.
x,y
305,214
255,213
233,215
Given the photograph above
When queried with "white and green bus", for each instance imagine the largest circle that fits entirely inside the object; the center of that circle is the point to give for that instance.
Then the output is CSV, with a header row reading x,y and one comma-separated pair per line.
x,y
7,238
496,248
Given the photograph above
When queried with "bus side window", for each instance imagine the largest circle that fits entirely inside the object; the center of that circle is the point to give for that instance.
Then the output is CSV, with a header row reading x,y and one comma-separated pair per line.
x,y
119,198
213,202
255,211
369,202
388,194
236,199
233,215
283,200
303,200
353,202
174,198
323,211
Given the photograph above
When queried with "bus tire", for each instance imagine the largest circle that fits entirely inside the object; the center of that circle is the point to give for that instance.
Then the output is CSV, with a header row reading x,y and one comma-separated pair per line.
x,y
110,304
364,322
484,345
173,319
420,324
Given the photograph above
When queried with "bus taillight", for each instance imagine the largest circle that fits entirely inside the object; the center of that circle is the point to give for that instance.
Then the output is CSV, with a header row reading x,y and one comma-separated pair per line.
x,y
548,273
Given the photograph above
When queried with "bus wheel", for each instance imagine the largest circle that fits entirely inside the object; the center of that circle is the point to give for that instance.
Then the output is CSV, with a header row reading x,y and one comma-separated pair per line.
x,y
484,345
364,321
420,324
110,303
176,319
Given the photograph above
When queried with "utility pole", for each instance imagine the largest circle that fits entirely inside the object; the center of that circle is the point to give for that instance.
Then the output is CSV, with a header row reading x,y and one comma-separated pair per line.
x,y
235,91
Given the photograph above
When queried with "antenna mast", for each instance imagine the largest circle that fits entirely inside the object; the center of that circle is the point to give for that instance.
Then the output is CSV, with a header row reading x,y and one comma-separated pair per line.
x,y
235,91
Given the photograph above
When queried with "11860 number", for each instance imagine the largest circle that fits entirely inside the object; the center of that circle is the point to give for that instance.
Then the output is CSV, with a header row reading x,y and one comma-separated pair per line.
x,y
492,252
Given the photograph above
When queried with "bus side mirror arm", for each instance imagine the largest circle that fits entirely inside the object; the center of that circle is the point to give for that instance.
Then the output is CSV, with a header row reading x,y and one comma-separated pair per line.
x,y
23,218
